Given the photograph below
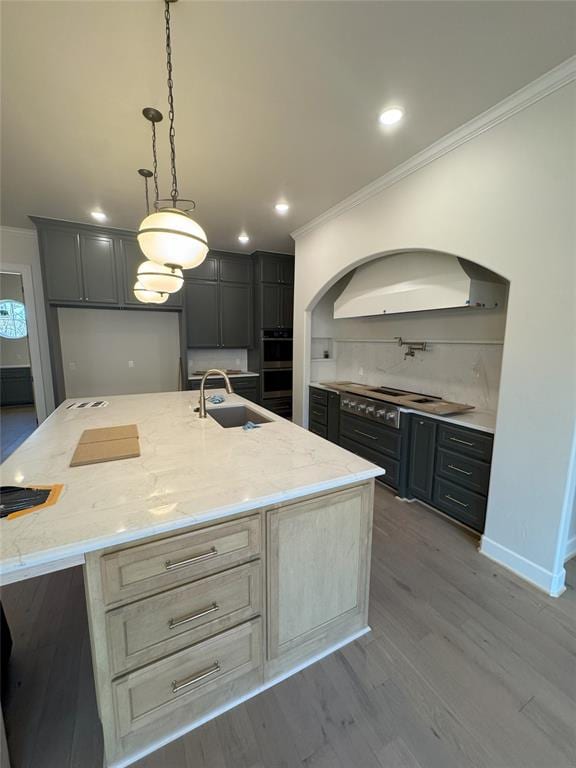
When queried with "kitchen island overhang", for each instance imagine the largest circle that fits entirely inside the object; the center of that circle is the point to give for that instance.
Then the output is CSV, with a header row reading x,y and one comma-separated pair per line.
x,y
208,560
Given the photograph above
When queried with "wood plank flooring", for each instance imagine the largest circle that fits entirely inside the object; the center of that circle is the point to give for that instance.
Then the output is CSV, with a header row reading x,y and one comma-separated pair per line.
x,y
466,667
16,424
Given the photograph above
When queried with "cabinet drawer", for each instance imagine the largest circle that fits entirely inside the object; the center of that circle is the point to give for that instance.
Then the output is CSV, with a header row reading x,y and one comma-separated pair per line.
x,y
318,397
318,413
463,505
318,429
157,626
374,436
198,678
153,567
459,469
478,445
392,467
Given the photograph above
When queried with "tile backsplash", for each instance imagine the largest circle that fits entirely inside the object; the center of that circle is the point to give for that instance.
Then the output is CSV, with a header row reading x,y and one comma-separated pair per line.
x,y
202,359
468,373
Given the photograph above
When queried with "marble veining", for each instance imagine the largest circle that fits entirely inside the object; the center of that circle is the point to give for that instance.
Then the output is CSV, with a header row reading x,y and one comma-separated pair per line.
x,y
190,471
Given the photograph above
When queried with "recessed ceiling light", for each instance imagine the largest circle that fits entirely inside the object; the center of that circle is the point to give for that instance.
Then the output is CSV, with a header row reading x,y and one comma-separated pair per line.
x,y
391,116
243,238
98,215
282,208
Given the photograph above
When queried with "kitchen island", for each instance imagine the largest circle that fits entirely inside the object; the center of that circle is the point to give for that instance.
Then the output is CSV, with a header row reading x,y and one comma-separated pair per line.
x,y
209,560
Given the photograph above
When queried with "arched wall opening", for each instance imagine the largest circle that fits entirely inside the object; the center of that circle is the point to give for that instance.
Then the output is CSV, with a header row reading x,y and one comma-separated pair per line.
x,y
462,360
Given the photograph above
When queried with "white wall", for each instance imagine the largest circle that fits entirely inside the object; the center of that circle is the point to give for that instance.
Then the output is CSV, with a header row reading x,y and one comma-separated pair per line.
x,y
13,351
99,344
504,199
20,246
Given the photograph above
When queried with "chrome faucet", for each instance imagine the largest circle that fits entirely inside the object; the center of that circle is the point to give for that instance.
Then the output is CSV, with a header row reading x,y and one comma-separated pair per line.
x,y
212,372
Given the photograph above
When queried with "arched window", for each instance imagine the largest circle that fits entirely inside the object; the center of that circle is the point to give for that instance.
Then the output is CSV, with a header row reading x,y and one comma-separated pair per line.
x,y
12,319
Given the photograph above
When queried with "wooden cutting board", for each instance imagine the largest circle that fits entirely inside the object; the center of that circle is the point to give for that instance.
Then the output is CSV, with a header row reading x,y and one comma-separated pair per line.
x,y
106,444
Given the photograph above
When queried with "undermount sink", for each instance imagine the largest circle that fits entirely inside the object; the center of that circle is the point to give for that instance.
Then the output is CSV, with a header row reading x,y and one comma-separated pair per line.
x,y
236,416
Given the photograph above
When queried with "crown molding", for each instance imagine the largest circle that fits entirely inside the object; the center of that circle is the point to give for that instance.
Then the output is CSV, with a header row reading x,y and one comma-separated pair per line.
x,y
556,78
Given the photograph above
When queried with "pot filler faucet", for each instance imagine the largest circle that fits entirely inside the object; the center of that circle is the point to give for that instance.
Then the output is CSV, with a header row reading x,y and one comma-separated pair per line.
x,y
212,372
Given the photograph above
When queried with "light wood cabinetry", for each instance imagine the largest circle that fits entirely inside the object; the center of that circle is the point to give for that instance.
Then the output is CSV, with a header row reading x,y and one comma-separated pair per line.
x,y
318,565
183,625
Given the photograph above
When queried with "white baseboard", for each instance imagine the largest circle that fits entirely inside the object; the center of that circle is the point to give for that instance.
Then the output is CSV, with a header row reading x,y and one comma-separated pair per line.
x,y
125,761
570,549
551,583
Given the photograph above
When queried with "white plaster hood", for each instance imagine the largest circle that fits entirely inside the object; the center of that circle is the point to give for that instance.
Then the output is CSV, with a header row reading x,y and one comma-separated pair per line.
x,y
414,282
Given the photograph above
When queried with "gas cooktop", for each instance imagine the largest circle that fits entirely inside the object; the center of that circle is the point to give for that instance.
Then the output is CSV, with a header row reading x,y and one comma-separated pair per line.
x,y
404,398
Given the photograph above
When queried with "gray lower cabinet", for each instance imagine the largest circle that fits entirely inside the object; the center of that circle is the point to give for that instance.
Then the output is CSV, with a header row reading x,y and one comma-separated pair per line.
x,y
324,413
16,386
422,455
202,320
245,386
449,468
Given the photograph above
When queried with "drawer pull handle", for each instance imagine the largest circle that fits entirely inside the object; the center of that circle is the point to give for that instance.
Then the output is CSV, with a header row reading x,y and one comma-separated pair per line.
x,y
179,685
169,565
365,434
463,442
460,503
457,469
186,619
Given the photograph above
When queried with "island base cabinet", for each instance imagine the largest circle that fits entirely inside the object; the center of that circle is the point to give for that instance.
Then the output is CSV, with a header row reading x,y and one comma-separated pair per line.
x,y
318,570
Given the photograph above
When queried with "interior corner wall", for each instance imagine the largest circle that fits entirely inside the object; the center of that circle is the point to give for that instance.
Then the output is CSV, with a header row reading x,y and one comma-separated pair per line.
x,y
20,246
506,200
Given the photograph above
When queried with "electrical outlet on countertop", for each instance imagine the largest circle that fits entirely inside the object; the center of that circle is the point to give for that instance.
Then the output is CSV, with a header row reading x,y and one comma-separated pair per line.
x,y
130,363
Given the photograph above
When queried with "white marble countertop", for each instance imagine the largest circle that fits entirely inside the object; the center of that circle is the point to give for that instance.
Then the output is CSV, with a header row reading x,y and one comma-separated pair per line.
x,y
190,471
482,420
193,376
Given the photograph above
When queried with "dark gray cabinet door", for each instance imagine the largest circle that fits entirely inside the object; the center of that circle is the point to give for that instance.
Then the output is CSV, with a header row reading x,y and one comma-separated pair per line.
x,y
236,321
269,270
286,306
61,255
270,298
98,269
208,270
422,457
286,268
202,323
236,269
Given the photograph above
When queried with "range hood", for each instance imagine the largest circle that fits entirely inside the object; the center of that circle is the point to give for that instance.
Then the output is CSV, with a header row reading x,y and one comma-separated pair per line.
x,y
415,282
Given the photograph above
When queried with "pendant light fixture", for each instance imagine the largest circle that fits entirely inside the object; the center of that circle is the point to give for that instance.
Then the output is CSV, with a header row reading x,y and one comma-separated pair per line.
x,y
155,281
169,236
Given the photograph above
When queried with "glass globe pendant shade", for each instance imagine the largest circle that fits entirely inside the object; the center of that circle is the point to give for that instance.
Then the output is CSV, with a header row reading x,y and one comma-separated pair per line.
x,y
149,297
170,236
159,277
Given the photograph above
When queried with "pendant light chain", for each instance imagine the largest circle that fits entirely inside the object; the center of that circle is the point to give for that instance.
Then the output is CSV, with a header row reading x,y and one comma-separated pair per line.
x,y
155,166
172,132
147,198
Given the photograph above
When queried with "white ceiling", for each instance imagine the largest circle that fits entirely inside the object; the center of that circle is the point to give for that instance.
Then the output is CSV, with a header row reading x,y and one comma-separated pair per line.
x,y
273,99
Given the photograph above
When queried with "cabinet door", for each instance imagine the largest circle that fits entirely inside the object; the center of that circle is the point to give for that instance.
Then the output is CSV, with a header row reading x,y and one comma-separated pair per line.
x,y
270,306
287,271
310,602
236,315
270,270
286,305
421,457
61,257
236,269
98,269
208,270
201,314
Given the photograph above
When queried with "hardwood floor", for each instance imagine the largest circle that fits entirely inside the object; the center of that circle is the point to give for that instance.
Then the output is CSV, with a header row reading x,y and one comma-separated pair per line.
x,y
466,667
16,423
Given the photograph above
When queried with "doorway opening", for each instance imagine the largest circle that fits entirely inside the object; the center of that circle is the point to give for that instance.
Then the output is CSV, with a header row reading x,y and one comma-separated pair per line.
x,y
18,414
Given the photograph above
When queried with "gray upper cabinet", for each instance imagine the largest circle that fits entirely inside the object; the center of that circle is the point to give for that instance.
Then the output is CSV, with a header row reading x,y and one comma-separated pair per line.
x,y
286,306
61,256
276,269
202,317
270,298
208,270
236,318
236,269
98,270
